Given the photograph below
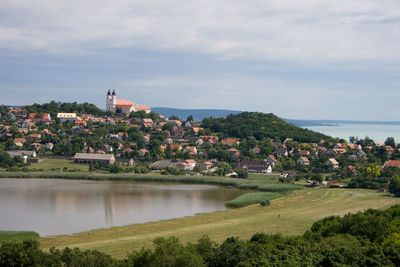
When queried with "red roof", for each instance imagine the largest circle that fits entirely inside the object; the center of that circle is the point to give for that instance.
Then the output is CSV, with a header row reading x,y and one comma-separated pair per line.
x,y
141,107
391,163
124,102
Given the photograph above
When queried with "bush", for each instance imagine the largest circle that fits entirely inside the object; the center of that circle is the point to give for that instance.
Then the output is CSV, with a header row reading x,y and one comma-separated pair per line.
x,y
265,202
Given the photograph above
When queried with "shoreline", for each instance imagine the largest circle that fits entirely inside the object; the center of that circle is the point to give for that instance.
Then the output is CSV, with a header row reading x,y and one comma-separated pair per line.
x,y
255,184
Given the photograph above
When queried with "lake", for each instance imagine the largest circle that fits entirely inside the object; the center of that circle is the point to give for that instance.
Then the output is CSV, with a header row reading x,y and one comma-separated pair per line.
x,y
59,206
378,133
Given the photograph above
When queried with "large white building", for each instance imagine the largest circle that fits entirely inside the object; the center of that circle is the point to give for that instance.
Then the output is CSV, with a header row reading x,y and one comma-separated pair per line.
x,y
126,106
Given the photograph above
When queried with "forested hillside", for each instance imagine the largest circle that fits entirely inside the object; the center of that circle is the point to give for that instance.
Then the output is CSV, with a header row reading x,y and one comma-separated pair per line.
x,y
261,125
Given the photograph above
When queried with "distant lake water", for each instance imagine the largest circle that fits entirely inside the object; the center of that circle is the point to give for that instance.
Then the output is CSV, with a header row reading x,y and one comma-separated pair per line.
x,y
378,133
58,206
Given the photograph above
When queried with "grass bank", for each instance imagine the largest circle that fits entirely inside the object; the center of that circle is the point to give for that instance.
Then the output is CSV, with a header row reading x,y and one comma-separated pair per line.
x,y
264,183
290,215
251,198
17,235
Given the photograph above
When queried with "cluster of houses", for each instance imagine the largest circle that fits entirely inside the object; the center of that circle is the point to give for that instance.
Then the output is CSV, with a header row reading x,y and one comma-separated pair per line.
x,y
183,136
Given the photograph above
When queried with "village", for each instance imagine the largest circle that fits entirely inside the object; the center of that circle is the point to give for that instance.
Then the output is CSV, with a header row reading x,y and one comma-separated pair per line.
x,y
132,135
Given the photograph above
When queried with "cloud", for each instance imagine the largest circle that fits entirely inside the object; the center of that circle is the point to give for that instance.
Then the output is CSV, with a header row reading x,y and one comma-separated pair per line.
x,y
306,31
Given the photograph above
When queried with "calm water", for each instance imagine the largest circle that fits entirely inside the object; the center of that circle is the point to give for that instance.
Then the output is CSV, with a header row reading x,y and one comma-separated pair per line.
x,y
55,206
378,133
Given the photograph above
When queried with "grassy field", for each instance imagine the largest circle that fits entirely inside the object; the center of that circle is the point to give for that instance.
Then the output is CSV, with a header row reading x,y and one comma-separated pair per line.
x,y
58,164
251,198
290,215
17,235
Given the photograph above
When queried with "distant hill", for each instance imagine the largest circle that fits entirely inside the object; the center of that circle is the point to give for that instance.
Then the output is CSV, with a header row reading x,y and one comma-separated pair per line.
x,y
260,125
198,114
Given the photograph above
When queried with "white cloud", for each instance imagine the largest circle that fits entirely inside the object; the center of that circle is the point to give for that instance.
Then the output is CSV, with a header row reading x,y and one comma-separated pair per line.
x,y
307,31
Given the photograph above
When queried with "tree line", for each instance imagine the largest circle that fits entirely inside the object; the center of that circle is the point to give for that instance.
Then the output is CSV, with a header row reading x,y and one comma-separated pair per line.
x,y
369,238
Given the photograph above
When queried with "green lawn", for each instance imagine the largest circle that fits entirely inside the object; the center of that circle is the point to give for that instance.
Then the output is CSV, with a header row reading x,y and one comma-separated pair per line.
x,y
17,235
291,215
251,198
58,165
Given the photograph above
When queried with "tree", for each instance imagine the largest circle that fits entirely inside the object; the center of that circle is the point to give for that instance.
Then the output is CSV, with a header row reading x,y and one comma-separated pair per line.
x,y
317,178
390,142
241,173
223,168
373,171
394,185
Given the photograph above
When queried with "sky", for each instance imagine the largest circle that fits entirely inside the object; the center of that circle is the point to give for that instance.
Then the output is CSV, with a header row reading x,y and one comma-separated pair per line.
x,y
304,59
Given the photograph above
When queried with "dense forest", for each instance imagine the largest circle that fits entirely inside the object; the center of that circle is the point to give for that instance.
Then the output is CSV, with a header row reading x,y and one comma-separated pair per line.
x,y
260,125
370,238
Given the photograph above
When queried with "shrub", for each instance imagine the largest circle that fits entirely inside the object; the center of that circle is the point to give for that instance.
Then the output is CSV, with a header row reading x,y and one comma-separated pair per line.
x,y
265,202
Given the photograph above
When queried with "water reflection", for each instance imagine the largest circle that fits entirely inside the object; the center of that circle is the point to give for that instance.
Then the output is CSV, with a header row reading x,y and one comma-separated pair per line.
x,y
56,206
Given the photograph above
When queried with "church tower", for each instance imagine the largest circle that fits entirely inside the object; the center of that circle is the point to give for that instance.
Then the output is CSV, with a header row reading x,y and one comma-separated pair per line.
x,y
109,101
114,99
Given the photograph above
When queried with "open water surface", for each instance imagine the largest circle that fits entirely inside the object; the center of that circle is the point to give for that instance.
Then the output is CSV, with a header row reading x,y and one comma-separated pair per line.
x,y
59,206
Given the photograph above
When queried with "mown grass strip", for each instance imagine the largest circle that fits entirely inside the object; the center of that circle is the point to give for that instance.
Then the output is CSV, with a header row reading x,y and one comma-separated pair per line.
x,y
17,235
251,198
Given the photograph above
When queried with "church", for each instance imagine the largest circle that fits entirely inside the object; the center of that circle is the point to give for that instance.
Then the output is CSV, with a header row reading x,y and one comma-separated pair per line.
x,y
113,104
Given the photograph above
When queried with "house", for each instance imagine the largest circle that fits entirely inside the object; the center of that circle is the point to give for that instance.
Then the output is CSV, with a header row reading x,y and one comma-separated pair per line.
x,y
195,131
303,161
175,123
34,136
175,147
281,152
108,148
390,150
49,146
212,139
230,141
271,160
332,163
256,150
168,141
92,158
314,152
333,183
340,145
80,122
391,164
352,170
304,152
352,158
254,166
147,121
24,154
127,150
361,154
178,132
191,162
143,152
233,150
64,117
199,142
354,146
205,165
339,150
236,156
187,165
191,150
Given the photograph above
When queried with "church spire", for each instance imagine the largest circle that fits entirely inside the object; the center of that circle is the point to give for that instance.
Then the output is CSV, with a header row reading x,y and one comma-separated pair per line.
x,y
113,93
108,93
